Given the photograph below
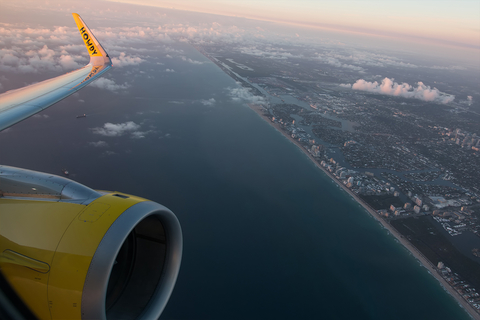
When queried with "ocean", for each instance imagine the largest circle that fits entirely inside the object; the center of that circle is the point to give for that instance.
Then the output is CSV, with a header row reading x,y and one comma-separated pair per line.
x,y
267,235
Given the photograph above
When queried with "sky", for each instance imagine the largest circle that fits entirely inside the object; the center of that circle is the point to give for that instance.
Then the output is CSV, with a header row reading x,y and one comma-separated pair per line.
x,y
39,37
443,21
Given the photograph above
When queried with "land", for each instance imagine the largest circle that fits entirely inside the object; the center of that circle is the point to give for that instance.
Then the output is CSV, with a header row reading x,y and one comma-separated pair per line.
x,y
413,165
374,213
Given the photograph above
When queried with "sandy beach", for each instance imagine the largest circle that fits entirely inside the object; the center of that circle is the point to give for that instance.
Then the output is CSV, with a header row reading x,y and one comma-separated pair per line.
x,y
417,254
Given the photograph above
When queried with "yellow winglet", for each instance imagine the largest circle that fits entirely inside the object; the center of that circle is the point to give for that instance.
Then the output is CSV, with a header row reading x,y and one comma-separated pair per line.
x,y
98,56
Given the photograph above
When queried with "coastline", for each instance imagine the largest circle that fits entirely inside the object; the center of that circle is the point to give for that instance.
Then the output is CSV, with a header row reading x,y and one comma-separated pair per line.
x,y
414,251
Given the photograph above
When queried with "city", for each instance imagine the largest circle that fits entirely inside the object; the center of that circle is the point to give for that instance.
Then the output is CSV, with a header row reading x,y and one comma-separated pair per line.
x,y
412,163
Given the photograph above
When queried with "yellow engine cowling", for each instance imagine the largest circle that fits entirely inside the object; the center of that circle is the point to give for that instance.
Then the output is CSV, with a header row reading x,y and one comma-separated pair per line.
x,y
76,253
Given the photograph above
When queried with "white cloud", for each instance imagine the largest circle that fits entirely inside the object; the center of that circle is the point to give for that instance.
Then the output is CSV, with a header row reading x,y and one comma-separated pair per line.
x,y
99,144
124,60
192,61
104,83
169,70
72,48
449,68
67,62
209,102
19,59
364,58
9,59
116,130
109,153
244,94
268,52
391,88
336,63
140,134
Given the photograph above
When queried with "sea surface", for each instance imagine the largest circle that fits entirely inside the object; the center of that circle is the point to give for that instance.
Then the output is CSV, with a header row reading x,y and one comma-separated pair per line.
x,y
266,234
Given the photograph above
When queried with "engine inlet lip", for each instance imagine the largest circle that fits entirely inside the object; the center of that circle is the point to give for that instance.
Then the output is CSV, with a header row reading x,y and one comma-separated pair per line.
x,y
96,282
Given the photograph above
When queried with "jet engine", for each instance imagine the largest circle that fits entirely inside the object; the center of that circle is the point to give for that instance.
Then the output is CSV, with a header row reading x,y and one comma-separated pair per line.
x,y
71,252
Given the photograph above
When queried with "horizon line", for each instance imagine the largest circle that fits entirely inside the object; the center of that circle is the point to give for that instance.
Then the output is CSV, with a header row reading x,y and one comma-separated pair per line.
x,y
324,26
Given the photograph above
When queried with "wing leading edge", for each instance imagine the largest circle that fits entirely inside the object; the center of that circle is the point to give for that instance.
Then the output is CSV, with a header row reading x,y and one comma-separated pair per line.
x,y
17,105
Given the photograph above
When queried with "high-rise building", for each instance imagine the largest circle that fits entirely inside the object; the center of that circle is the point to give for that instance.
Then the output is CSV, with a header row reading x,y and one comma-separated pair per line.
x,y
315,150
418,201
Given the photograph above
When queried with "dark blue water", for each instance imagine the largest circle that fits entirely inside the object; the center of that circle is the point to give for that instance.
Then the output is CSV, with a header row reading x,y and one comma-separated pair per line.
x,y
266,234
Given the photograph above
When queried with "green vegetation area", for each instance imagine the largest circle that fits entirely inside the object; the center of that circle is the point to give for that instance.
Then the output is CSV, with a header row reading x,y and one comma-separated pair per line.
x,y
382,201
435,246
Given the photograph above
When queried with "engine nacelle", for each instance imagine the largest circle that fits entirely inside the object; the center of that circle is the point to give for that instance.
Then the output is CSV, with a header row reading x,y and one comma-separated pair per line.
x,y
71,252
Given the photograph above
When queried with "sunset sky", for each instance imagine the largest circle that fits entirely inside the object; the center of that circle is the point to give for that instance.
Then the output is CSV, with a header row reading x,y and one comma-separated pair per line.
x,y
448,30
451,22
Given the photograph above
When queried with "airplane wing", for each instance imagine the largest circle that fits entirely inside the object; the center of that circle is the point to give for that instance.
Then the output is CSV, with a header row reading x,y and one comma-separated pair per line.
x,y
17,105
71,252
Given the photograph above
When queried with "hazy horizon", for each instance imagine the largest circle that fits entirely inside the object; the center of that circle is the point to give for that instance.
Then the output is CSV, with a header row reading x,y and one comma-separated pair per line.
x,y
449,22
434,33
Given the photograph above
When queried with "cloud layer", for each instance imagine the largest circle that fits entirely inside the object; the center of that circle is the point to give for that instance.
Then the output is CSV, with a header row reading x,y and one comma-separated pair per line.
x,y
124,60
209,102
244,94
17,59
104,83
119,129
116,129
391,88
99,144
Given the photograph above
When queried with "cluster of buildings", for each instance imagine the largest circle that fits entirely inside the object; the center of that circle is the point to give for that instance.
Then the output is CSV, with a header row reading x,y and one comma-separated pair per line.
x,y
387,137
358,182
461,286
452,230
463,139
455,220
302,136
299,134
406,209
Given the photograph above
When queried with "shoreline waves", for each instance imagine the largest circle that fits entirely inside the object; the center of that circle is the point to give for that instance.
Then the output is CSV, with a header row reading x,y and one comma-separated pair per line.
x,y
412,249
